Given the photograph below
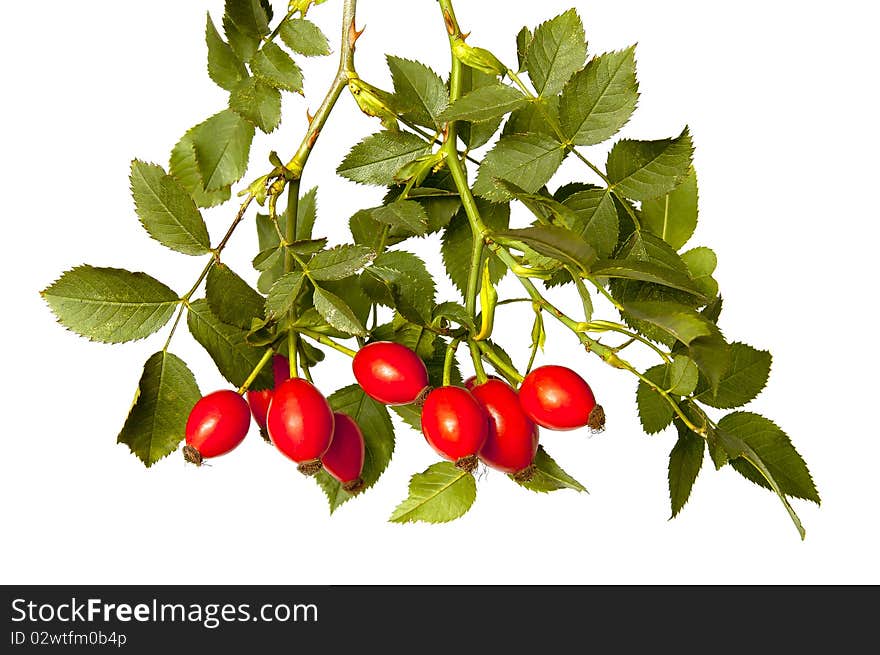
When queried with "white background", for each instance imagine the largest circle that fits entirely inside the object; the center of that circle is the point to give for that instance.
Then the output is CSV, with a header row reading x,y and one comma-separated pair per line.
x,y
781,99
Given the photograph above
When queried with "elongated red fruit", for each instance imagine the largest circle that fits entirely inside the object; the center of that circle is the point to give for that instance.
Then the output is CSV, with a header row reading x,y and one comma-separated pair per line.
x,y
390,373
344,460
455,425
259,400
216,424
300,423
513,437
557,398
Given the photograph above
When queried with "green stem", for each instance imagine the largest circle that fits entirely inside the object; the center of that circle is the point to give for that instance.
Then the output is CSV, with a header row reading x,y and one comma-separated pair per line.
x,y
608,326
448,360
253,376
278,27
499,364
607,295
327,341
290,229
477,357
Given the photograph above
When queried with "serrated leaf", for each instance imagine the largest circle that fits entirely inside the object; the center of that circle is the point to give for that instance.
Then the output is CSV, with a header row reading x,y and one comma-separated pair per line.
x,y
539,116
420,93
339,262
595,219
557,50
167,211
458,242
156,422
646,271
476,135
184,169
224,66
276,68
655,412
712,355
401,280
485,103
523,41
228,347
376,159
744,379
673,216
776,451
258,102
549,476
682,322
557,243
701,263
685,462
232,299
527,160
283,294
307,213
337,313
440,494
375,424
304,37
222,145
681,376
452,311
249,16
600,99
403,214
642,170
110,305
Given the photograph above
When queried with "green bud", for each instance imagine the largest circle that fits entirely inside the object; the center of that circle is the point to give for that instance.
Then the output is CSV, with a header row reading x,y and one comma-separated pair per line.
x,y
374,102
478,58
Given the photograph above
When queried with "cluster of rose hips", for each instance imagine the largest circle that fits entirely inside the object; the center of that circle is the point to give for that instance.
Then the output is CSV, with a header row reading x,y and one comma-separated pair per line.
x,y
490,421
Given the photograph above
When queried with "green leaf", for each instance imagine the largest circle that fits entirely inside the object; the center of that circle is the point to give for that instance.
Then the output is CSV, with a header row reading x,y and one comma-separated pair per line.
x,y
375,424
244,45
232,299
743,380
440,494
596,219
156,422
258,102
184,169
557,50
642,170
458,242
776,451
476,135
685,462
485,103
304,37
600,99
452,311
646,271
682,322
549,476
228,347
523,41
673,216
527,160
401,280
224,67
276,68
420,93
712,355
701,263
283,294
307,213
340,262
376,159
681,376
540,116
110,305
249,16
222,145
655,412
557,243
403,214
337,313
167,211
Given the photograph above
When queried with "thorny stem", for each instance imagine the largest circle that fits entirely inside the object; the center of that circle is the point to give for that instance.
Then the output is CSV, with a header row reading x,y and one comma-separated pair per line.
x,y
608,326
259,367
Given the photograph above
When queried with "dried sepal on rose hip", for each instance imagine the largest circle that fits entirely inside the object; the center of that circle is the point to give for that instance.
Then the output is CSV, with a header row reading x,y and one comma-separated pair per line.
x,y
557,398
455,425
216,425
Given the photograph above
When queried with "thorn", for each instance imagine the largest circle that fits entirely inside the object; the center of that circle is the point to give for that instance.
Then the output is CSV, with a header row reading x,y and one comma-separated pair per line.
x,y
309,117
313,139
354,34
450,23
465,36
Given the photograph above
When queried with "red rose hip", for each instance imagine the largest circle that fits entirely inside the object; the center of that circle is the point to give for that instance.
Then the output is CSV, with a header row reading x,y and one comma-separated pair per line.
x,y
300,423
513,437
216,424
390,373
345,458
557,398
259,400
455,425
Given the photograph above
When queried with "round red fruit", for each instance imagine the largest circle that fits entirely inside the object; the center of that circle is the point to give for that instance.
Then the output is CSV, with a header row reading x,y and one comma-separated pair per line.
x,y
390,373
455,425
300,423
557,398
513,437
217,424
345,458
259,400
